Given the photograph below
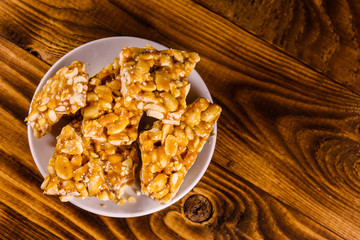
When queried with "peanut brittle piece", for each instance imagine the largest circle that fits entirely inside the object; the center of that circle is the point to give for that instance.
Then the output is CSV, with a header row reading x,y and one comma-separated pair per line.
x,y
107,117
110,76
81,167
158,80
63,94
168,151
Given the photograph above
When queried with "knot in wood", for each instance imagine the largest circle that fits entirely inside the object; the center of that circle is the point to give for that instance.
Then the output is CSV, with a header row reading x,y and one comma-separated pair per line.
x,y
356,168
197,208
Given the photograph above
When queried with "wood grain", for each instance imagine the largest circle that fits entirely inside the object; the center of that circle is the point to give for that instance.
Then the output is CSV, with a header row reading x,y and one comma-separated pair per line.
x,y
240,209
323,34
49,30
287,161
274,100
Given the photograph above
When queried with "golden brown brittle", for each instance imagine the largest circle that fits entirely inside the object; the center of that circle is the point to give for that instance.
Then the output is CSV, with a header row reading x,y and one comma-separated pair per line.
x,y
157,80
168,151
63,94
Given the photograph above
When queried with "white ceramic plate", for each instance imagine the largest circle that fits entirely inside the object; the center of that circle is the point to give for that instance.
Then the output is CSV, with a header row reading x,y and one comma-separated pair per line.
x,y
96,55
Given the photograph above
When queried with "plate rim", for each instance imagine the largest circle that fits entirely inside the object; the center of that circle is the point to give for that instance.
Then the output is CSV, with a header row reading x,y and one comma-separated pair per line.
x,y
177,197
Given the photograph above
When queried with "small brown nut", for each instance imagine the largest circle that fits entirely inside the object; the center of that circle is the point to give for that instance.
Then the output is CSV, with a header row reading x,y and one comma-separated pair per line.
x,y
201,130
76,160
108,119
115,158
109,148
94,184
81,189
132,133
93,111
118,126
158,183
149,97
181,136
169,168
52,116
161,193
105,105
202,104
71,74
63,167
178,56
42,108
104,195
193,116
178,165
189,159
163,158
174,181
146,176
115,85
128,163
162,81
118,139
167,128
80,173
68,185
193,144
211,113
146,158
51,167
154,114
141,68
147,86
165,60
104,92
154,156
166,198
156,107
52,188
170,101
131,199
189,133
171,145
52,104
154,168
45,183
95,81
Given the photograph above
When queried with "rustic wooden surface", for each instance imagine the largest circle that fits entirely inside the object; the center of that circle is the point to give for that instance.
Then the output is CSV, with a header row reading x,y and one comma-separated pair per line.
x,y
287,159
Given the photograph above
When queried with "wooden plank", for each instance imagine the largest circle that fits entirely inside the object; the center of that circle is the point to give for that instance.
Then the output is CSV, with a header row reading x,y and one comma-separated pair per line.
x,y
323,34
240,208
50,29
286,128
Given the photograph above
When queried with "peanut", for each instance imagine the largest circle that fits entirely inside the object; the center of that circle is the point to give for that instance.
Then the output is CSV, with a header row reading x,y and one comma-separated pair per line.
x,y
192,117
63,167
171,145
93,111
170,101
159,182
211,113
118,126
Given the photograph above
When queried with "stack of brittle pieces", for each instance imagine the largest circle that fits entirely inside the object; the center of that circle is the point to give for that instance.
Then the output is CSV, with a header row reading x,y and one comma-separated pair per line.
x,y
96,153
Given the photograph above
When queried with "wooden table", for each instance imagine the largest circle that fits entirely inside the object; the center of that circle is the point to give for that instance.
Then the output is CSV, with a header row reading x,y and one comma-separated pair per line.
x,y
286,73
